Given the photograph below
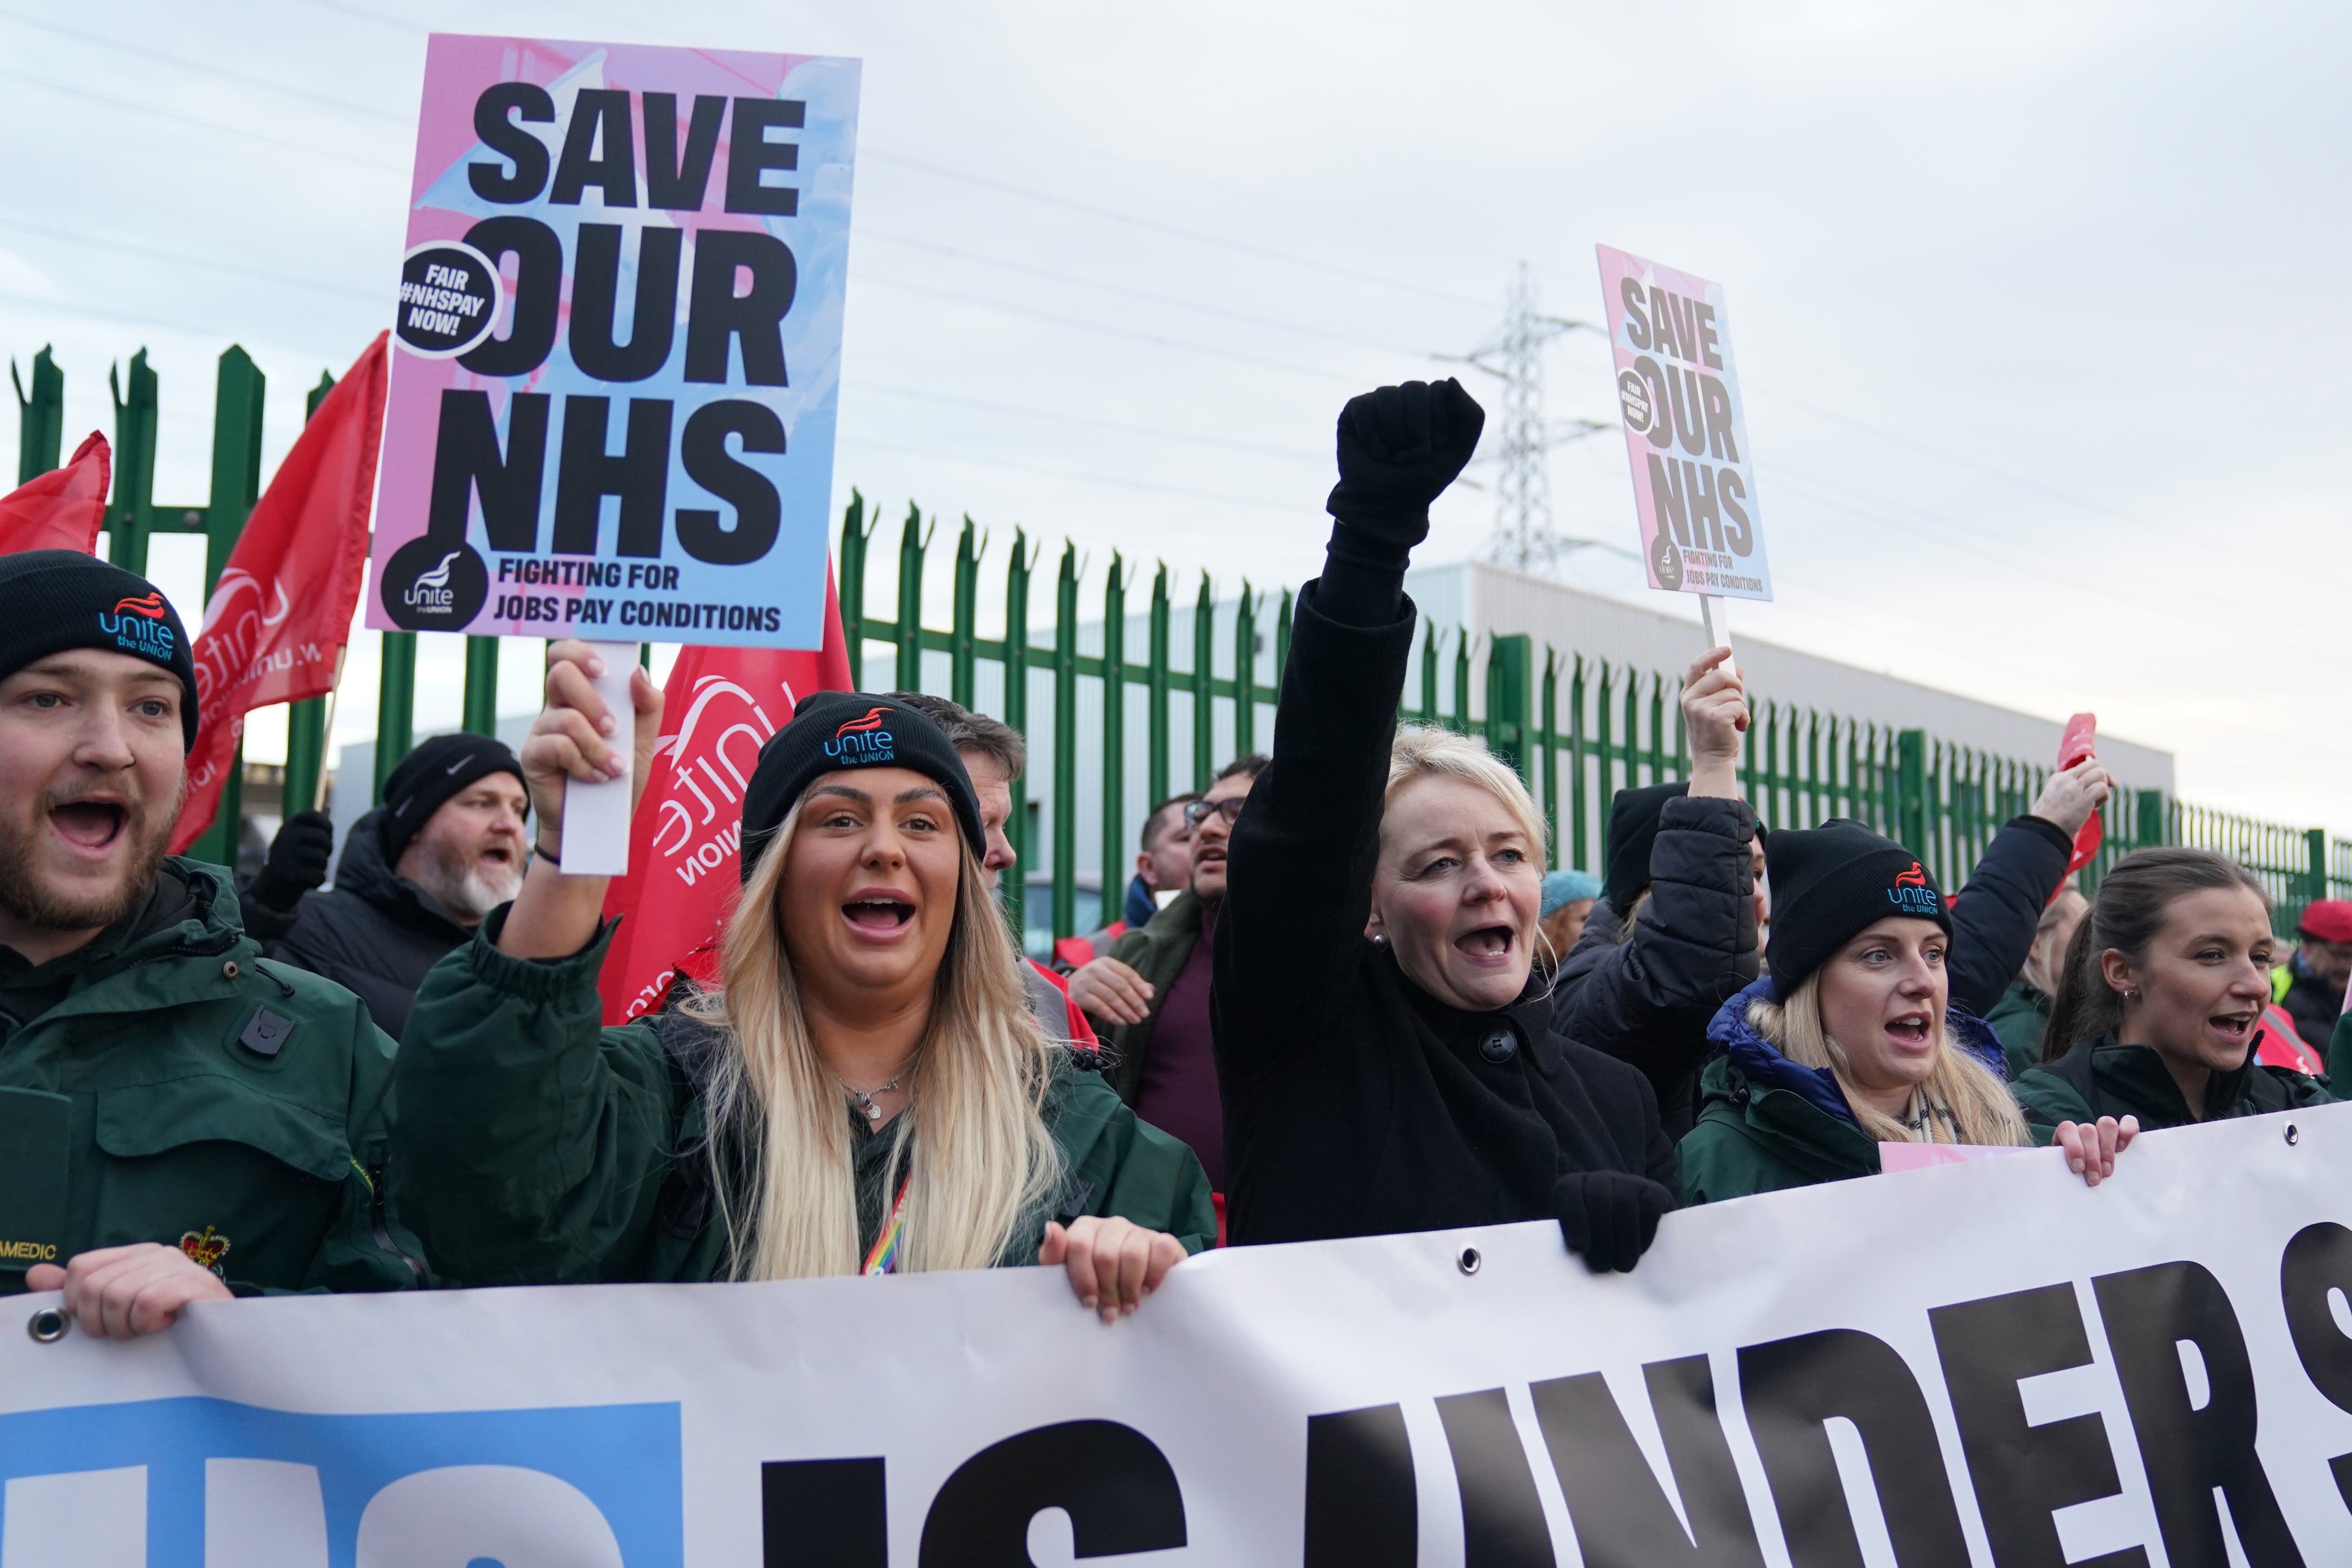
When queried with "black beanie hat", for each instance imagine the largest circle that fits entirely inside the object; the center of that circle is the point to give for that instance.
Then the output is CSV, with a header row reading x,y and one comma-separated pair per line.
x,y
1831,882
428,776
834,730
1634,819
53,599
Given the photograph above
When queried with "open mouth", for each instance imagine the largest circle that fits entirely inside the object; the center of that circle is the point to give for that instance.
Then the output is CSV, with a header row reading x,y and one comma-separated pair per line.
x,y
1911,1029
879,914
1487,943
89,824
2235,1028
498,855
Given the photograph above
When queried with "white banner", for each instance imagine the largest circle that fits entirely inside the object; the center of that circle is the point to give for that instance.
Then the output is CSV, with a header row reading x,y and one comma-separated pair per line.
x,y
1984,1364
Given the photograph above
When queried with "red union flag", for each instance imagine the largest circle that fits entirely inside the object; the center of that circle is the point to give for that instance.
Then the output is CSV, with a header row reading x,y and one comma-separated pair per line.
x,y
719,707
61,509
275,626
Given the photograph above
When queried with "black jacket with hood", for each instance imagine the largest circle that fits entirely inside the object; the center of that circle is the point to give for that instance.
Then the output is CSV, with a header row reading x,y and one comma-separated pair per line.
x,y
1646,997
373,933
1355,1103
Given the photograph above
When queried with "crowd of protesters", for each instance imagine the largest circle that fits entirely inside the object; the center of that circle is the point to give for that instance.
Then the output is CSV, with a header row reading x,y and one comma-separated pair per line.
x,y
1343,997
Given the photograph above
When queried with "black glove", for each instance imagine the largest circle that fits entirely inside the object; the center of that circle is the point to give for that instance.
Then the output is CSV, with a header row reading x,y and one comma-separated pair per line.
x,y
1399,447
1610,1217
298,860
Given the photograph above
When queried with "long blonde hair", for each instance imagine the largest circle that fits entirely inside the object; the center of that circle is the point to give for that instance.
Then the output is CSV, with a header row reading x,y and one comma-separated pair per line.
x,y
985,1159
1966,1103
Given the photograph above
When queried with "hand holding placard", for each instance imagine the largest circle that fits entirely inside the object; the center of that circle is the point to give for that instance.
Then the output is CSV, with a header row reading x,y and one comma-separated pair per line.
x,y
586,758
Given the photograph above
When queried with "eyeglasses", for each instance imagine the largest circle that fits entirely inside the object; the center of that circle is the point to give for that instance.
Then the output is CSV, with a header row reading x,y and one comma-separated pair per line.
x,y
1198,811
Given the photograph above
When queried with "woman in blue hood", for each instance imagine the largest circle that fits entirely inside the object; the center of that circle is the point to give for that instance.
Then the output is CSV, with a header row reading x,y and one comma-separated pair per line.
x,y
1849,1042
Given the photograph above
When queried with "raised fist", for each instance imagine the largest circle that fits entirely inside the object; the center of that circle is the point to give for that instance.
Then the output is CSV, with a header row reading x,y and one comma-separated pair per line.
x,y
1399,447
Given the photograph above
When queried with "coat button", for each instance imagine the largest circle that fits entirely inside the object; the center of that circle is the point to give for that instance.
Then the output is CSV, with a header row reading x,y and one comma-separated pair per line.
x,y
1499,1045
229,971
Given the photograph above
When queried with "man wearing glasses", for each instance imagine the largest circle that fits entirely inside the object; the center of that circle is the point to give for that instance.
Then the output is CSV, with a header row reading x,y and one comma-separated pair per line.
x,y
1148,995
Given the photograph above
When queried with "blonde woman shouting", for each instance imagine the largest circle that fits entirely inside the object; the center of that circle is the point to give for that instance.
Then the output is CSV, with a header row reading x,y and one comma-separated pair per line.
x,y
865,1094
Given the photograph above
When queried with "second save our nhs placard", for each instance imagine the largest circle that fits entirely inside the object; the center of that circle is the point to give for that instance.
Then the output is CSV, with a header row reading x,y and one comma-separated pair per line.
x,y
1685,429
618,348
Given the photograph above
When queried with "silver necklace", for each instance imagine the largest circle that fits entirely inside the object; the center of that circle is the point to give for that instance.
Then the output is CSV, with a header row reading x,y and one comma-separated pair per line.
x,y
865,1097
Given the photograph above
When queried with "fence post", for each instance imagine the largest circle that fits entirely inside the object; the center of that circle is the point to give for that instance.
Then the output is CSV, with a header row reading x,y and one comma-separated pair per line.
x,y
481,709
1548,743
963,653
237,486
849,587
2315,878
1114,723
133,511
912,543
395,702
41,418
1156,765
1911,786
1017,714
1065,745
2148,812
1579,806
1244,674
1204,710
306,721
1510,682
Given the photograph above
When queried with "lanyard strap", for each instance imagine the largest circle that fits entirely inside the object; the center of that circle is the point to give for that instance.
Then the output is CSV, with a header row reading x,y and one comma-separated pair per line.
x,y
884,1257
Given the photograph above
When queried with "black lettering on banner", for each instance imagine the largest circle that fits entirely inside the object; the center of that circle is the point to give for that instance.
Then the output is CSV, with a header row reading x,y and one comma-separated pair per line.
x,y
466,462
1791,1389
1502,1518
1666,497
1637,326
1361,1511
599,149
495,113
676,178
1116,1485
586,473
1621,1516
1698,494
2023,1474
595,303
2188,1448
1738,531
1661,326
1690,427
533,302
750,156
759,515
1660,430
823,1513
717,314
1703,316
1715,402
2318,1261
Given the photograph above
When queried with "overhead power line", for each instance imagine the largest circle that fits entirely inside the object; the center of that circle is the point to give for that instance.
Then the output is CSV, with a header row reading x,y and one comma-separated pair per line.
x,y
308,148
207,68
179,258
1148,432
1294,508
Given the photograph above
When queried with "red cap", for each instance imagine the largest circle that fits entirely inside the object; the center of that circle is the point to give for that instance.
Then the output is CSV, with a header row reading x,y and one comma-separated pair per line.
x,y
2327,920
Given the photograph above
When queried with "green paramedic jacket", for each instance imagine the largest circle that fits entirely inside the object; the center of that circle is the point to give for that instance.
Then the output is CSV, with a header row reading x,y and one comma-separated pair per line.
x,y
2104,1079
180,1093
535,1146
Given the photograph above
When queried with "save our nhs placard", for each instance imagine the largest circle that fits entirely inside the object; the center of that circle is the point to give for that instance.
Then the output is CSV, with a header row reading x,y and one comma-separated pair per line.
x,y
617,357
1685,429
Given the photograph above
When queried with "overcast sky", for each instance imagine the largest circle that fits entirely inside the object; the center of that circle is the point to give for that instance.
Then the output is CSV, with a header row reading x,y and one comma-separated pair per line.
x,y
2032,302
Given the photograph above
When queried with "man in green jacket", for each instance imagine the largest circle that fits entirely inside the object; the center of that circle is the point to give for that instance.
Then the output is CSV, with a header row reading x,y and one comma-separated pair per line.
x,y
178,1123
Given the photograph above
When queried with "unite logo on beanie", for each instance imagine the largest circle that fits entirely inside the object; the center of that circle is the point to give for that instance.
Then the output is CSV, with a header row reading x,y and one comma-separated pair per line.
x,y
137,626
1912,894
862,742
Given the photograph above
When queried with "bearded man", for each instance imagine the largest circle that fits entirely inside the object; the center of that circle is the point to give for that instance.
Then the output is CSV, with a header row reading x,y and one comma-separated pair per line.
x,y
179,1121
417,874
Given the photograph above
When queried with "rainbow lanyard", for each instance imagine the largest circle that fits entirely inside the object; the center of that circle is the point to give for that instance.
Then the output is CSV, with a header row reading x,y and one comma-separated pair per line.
x,y
884,1258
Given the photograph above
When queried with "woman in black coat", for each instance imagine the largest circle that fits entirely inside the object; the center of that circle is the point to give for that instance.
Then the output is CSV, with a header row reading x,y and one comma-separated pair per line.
x,y
1386,1060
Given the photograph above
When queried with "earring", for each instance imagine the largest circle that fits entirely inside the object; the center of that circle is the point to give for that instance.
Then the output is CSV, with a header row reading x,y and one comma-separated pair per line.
x,y
2132,995
1378,940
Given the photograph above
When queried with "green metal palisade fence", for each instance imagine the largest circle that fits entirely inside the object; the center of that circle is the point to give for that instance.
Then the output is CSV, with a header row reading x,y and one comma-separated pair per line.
x,y
1577,727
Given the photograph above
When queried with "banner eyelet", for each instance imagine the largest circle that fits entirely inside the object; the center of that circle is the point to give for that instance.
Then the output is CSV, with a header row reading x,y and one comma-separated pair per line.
x,y
49,1325
1469,1261
2292,1135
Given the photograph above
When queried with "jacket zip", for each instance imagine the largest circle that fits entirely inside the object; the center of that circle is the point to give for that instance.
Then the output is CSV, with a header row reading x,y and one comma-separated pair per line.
x,y
383,1228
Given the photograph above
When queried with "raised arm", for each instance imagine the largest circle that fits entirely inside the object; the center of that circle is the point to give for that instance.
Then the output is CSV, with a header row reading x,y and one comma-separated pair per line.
x,y
1298,888
1994,917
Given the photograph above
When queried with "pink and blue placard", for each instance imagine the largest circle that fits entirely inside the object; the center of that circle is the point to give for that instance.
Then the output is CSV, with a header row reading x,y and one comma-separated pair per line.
x,y
1685,430
616,364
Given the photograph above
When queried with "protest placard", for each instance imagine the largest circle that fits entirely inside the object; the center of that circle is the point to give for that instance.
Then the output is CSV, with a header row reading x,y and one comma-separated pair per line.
x,y
617,356
1685,430
1987,1363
